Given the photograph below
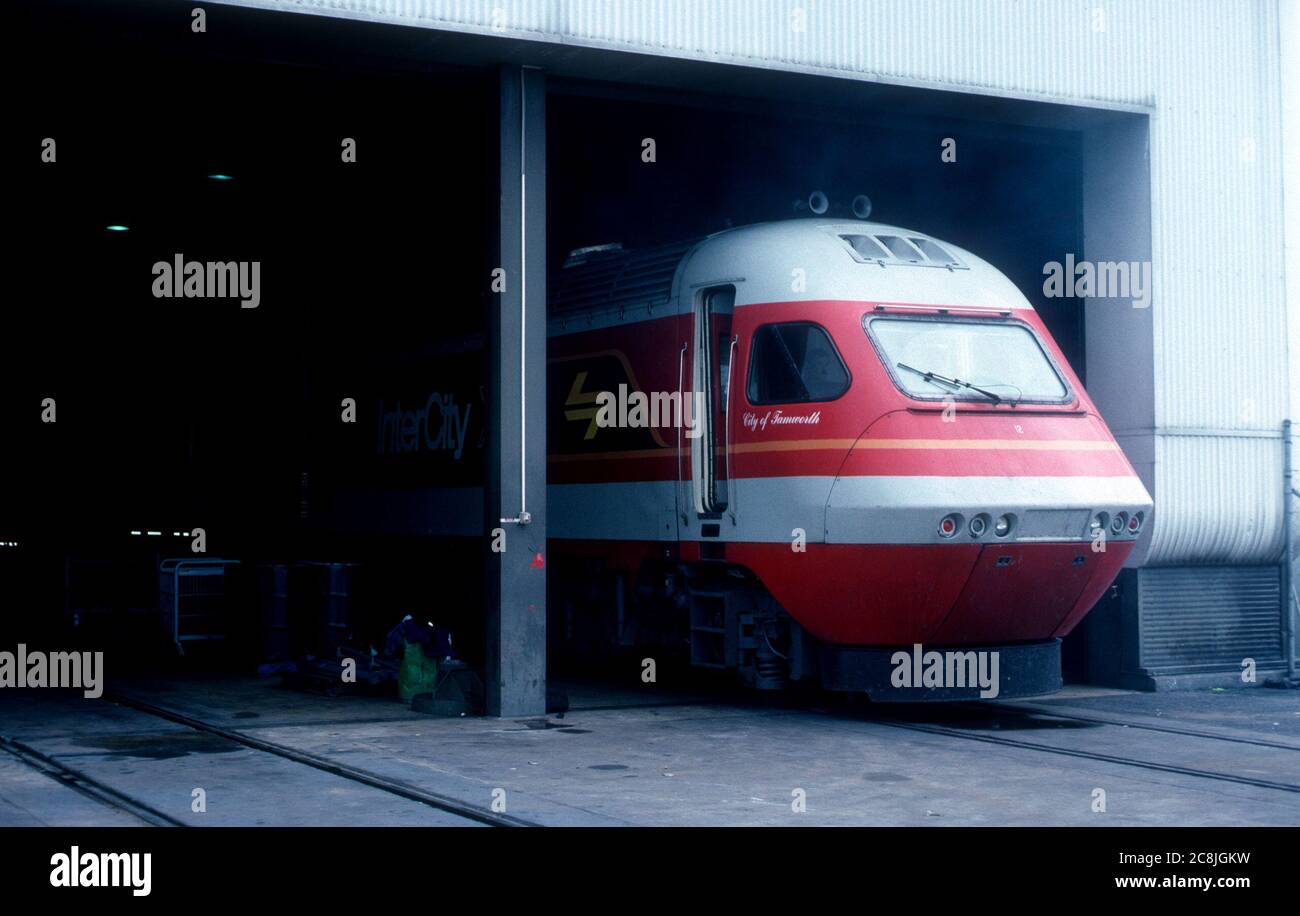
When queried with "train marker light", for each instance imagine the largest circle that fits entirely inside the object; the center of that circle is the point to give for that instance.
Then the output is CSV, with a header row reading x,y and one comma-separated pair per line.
x,y
1118,522
1135,523
949,524
117,227
978,525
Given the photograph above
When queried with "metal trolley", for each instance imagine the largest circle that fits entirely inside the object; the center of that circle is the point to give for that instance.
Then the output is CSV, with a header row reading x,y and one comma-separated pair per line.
x,y
193,599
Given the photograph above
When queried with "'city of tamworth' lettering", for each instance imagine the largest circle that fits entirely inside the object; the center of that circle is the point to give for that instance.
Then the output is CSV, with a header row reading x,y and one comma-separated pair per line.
x,y
181,279
967,668
84,670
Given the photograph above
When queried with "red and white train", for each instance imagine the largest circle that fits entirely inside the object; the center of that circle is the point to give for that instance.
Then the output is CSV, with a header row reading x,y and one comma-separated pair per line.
x,y
890,451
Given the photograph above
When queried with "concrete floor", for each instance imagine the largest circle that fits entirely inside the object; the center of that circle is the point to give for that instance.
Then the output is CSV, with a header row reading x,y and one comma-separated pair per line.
x,y
654,757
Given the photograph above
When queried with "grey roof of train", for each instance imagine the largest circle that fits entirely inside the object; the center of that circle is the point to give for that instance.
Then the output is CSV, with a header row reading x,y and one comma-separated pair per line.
x,y
619,279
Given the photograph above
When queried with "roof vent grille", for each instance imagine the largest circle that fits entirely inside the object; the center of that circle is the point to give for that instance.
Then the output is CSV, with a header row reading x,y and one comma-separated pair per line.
x,y
893,249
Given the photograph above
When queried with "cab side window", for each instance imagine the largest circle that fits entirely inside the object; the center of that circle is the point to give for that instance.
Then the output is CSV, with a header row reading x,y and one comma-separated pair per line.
x,y
793,363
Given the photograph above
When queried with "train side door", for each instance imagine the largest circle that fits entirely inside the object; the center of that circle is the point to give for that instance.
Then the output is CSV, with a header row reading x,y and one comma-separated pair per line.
x,y
714,349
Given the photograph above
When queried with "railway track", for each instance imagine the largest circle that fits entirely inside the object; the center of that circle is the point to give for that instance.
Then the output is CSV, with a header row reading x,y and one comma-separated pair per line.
x,y
111,797
86,785
885,715
1030,709
365,777
1118,759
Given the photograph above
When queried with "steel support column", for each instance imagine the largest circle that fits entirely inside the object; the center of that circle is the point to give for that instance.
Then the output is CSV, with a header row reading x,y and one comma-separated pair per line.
x,y
516,460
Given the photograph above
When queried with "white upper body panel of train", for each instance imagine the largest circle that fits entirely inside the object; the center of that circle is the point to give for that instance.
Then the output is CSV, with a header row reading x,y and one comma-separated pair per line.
x,y
809,259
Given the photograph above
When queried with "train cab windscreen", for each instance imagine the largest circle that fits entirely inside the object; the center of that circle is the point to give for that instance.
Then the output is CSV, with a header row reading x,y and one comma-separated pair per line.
x,y
966,360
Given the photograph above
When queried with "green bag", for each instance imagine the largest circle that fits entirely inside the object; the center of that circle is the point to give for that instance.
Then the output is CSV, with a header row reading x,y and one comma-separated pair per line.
x,y
417,674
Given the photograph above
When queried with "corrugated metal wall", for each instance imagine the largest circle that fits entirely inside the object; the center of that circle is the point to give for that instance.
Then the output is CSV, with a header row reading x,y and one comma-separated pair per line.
x,y
1201,619
1208,68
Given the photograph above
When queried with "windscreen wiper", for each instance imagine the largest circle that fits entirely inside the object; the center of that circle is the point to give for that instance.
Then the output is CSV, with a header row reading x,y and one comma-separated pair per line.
x,y
954,382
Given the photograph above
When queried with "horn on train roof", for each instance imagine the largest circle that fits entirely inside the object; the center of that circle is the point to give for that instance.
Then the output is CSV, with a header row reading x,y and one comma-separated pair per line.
x,y
818,204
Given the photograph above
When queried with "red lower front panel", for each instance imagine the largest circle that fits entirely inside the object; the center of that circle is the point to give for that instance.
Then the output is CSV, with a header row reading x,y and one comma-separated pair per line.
x,y
1023,592
899,594
883,594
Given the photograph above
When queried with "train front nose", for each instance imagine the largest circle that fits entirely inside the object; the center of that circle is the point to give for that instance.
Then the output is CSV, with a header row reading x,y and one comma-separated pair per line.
x,y
1002,558
1038,566
1023,592
1012,569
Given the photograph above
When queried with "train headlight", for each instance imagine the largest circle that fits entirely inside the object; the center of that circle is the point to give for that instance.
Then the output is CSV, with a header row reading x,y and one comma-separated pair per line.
x,y
1002,527
978,525
1118,523
1099,522
949,525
